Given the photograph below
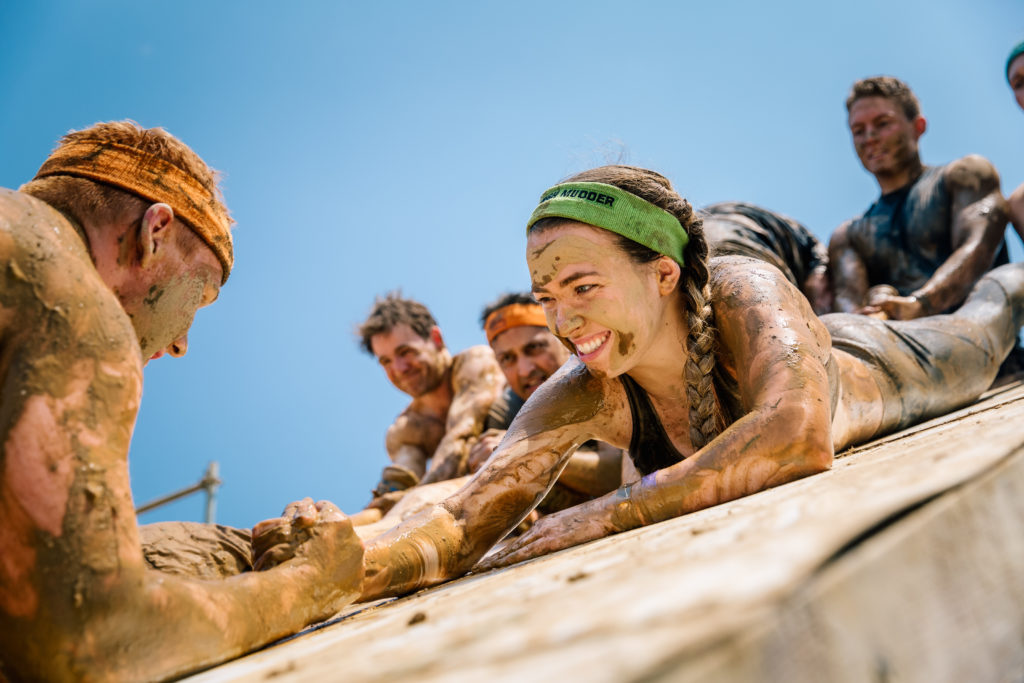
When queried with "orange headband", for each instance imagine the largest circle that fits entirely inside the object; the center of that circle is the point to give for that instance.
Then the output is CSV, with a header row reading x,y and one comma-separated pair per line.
x,y
514,315
151,178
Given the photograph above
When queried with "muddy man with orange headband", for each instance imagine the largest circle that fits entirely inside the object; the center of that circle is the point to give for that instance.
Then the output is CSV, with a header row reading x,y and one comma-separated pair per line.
x,y
516,329
107,254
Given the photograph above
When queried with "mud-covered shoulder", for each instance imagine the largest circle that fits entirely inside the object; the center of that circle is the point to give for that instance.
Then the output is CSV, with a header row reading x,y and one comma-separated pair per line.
x,y
757,309
738,282
575,399
31,227
472,357
476,366
18,207
972,173
54,307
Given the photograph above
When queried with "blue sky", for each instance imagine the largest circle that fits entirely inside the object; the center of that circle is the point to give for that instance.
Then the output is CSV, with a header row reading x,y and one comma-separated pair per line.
x,y
371,146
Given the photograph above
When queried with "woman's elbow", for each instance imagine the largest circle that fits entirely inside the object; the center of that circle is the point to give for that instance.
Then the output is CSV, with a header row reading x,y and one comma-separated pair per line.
x,y
818,459
809,438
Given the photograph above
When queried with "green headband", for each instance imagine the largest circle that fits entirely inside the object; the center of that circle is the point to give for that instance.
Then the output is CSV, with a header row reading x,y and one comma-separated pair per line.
x,y
611,208
1017,52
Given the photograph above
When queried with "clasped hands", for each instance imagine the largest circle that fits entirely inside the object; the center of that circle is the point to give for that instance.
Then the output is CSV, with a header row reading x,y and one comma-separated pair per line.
x,y
278,540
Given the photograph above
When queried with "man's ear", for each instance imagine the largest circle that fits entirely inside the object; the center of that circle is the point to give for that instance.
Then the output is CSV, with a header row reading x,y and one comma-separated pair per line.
x,y
668,273
435,336
920,125
153,230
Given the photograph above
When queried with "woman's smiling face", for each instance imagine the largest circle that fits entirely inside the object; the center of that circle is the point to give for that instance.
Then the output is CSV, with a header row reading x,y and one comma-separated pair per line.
x,y
595,296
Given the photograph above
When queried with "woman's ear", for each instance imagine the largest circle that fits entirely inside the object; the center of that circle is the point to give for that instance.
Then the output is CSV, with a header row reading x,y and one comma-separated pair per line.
x,y
155,221
668,273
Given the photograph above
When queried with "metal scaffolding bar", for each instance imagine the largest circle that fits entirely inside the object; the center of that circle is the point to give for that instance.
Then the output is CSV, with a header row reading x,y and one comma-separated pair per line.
x,y
209,483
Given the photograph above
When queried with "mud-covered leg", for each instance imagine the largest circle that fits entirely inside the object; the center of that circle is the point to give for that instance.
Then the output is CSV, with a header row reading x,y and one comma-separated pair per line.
x,y
202,551
997,303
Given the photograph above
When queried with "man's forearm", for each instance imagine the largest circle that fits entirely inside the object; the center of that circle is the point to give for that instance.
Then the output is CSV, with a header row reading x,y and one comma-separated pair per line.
x,y
592,472
450,459
984,221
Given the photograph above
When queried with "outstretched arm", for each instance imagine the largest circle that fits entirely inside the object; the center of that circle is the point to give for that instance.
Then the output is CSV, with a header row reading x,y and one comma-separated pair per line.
x,y
979,217
76,601
777,349
445,541
478,382
849,274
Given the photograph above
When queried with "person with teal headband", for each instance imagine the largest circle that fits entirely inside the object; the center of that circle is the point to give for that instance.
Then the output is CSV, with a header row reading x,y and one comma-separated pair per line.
x,y
715,375
1015,77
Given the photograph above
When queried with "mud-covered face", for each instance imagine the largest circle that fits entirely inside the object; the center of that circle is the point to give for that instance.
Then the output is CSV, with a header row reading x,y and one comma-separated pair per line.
x,y
179,284
608,307
413,364
1016,75
884,138
528,355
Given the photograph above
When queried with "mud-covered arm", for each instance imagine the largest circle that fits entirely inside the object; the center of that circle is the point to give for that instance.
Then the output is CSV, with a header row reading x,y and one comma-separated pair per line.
x,y
1015,202
445,541
594,469
778,349
849,274
76,601
477,382
979,214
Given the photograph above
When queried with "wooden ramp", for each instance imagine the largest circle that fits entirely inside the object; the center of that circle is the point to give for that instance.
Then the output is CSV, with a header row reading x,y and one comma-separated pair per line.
x,y
905,562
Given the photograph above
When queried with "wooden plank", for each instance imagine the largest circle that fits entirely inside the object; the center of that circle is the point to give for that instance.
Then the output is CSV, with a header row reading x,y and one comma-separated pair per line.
x,y
937,596
742,589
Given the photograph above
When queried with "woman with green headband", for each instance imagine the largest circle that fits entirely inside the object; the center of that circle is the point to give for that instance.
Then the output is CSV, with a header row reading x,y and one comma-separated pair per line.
x,y
718,378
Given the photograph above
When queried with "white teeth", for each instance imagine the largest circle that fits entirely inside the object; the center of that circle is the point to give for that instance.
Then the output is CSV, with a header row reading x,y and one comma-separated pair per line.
x,y
590,346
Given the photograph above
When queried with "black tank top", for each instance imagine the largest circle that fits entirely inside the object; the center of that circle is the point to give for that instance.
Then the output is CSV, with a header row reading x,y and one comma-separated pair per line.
x,y
907,234
649,448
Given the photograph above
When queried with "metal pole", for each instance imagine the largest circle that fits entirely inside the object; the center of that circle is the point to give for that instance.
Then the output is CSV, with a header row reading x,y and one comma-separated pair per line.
x,y
208,483
211,482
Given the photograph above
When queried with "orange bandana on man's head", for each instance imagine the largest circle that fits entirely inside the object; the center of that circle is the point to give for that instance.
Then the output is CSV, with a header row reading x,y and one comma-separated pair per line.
x,y
514,315
151,178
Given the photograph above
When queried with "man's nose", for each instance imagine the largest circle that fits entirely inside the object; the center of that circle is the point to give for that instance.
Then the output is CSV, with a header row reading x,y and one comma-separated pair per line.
x,y
178,347
524,366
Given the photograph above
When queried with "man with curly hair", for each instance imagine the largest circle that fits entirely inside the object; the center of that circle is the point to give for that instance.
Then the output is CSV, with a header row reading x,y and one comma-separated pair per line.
x,y
451,396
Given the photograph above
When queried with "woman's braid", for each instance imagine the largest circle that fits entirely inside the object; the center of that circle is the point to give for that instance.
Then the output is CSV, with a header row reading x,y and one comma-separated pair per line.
x,y
705,415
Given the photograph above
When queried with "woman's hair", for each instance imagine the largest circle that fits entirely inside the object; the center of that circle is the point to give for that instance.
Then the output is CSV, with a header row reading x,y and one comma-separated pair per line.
x,y
706,420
